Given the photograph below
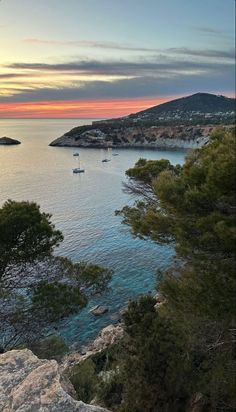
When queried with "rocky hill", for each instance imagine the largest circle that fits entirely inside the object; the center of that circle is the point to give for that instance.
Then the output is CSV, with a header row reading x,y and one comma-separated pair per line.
x,y
181,123
199,108
199,102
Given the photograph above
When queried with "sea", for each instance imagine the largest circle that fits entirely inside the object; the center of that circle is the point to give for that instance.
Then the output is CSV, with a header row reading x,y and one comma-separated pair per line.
x,y
83,207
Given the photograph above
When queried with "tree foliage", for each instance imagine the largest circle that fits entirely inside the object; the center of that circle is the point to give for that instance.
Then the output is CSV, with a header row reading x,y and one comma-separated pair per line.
x,y
26,234
37,289
52,347
193,205
85,380
185,350
58,299
155,368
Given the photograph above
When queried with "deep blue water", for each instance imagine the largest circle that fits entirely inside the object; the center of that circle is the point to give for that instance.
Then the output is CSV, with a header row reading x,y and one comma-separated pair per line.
x,y
83,209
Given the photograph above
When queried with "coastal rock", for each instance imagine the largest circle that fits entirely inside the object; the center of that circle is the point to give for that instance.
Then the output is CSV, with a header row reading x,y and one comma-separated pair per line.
x,y
98,310
159,300
154,137
8,141
108,336
30,384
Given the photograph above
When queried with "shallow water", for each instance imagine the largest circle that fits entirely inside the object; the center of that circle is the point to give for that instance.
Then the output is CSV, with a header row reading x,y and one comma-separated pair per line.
x,y
83,208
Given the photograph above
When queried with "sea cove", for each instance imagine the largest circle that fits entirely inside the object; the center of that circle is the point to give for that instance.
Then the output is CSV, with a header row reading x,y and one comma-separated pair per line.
x,y
83,209
117,206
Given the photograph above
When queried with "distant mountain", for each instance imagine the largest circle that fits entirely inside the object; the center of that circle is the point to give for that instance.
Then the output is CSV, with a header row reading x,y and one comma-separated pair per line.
x,y
197,109
199,102
186,122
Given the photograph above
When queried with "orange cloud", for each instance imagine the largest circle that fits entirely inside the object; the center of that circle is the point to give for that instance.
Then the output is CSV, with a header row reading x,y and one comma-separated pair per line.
x,y
78,109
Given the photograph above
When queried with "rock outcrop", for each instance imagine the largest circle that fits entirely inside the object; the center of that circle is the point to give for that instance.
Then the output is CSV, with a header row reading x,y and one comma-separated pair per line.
x,y
29,384
154,137
8,141
98,310
108,336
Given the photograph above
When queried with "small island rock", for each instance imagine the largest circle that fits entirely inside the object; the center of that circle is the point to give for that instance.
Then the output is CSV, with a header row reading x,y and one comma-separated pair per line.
x,y
98,310
8,141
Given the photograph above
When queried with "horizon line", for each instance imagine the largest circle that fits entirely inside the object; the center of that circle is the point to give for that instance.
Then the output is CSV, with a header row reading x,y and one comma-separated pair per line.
x,y
56,118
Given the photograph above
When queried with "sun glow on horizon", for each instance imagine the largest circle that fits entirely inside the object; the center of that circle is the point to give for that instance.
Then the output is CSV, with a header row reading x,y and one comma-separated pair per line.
x,y
78,109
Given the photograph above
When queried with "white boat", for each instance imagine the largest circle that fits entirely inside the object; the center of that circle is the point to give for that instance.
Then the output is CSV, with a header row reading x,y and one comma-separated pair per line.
x,y
78,170
107,156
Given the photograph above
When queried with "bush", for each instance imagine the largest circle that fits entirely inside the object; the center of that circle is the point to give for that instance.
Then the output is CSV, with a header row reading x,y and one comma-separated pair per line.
x,y
53,347
85,380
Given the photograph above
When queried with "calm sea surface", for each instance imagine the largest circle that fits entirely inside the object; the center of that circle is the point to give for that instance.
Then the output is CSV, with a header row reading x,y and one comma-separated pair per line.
x,y
83,209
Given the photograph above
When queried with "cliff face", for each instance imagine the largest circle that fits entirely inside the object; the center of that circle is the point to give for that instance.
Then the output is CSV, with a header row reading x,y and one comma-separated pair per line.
x,y
29,384
137,136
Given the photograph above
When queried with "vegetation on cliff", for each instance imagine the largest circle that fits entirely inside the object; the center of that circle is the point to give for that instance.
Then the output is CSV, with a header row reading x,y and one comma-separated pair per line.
x,y
199,103
180,355
185,348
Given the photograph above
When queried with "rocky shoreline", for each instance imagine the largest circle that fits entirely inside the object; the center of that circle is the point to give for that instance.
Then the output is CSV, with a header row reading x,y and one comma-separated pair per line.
x,y
109,335
154,137
29,383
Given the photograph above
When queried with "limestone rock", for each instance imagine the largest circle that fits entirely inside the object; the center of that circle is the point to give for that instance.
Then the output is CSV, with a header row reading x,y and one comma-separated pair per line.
x,y
29,384
108,336
154,137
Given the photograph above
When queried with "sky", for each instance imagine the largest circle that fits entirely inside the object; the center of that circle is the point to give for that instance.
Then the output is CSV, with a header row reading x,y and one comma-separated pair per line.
x,y
109,58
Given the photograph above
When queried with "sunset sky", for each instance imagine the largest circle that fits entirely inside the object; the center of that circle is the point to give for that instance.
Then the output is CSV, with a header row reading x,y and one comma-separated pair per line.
x,y
107,58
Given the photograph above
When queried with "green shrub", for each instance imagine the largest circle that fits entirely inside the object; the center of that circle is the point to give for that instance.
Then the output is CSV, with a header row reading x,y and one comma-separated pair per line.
x,y
53,347
85,380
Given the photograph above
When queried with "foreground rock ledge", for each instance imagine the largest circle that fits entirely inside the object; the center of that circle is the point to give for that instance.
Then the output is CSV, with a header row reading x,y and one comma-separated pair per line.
x,y
8,141
29,384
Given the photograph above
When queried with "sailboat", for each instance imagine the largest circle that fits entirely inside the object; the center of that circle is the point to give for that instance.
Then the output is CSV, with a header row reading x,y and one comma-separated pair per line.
x,y
106,159
78,169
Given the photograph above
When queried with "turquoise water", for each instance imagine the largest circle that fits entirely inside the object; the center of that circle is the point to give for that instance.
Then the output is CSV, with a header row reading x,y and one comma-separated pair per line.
x,y
83,209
